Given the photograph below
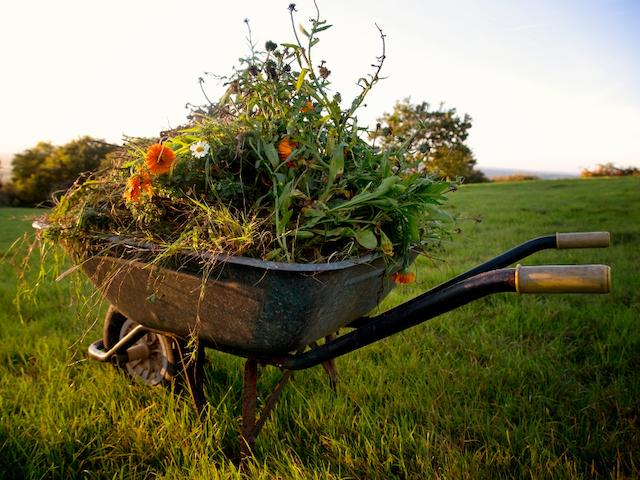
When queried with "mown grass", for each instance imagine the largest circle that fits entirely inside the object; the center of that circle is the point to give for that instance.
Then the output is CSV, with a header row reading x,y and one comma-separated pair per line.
x,y
507,387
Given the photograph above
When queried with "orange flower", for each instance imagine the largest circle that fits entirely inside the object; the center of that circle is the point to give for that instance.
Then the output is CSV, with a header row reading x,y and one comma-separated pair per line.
x,y
159,158
285,147
307,107
403,277
136,185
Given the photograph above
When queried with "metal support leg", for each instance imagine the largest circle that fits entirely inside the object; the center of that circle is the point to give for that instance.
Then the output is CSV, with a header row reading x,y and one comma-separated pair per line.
x,y
249,395
330,366
193,371
271,402
251,425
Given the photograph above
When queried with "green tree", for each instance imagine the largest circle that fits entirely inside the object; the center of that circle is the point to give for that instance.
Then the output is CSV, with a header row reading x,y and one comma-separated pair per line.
x,y
41,170
437,139
30,186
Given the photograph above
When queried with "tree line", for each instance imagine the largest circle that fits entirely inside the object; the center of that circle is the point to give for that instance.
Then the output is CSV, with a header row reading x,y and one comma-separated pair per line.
x,y
39,172
437,147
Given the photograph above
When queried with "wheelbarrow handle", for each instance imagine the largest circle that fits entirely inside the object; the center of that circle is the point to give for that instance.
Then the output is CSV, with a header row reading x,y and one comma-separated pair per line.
x,y
563,279
559,240
583,240
544,279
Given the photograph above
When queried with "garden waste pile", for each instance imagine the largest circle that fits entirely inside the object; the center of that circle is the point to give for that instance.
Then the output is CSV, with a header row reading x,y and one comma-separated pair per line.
x,y
276,169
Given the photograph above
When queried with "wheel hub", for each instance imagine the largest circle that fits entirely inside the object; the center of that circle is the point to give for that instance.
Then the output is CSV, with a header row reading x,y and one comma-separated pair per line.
x,y
147,357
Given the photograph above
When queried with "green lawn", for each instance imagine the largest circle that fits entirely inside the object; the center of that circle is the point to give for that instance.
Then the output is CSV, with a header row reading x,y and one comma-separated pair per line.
x,y
507,387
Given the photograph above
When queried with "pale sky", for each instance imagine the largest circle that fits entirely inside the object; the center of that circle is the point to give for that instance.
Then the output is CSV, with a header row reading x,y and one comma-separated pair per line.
x,y
551,85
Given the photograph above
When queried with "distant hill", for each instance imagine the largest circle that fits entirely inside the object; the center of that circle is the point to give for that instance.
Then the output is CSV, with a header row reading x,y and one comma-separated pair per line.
x,y
503,172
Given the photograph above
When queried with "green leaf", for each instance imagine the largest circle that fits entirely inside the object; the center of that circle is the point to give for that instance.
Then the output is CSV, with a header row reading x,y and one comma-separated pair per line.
x,y
436,213
412,228
339,232
303,74
365,196
291,45
271,153
366,238
336,166
304,32
301,234
386,243
321,29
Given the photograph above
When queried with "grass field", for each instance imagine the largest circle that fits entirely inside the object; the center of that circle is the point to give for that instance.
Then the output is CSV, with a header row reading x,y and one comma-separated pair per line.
x,y
506,387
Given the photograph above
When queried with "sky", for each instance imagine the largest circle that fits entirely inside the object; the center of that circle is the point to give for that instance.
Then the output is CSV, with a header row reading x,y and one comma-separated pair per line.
x,y
551,85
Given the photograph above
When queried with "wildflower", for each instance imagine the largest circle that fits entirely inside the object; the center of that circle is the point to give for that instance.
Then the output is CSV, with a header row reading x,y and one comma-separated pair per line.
x,y
199,149
138,184
159,158
270,67
270,46
324,71
387,249
285,148
307,107
403,277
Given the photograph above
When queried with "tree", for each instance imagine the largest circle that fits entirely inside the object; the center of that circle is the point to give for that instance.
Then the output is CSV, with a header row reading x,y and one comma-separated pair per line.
x,y
437,139
610,170
44,169
30,186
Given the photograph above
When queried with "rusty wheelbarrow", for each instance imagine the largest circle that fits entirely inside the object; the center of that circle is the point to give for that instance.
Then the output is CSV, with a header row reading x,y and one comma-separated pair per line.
x,y
286,315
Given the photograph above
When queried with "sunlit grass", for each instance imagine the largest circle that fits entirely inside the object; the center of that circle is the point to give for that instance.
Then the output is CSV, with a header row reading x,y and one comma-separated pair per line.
x,y
509,386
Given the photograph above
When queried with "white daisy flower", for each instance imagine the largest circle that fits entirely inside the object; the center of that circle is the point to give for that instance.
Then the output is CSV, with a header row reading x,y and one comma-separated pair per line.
x,y
199,149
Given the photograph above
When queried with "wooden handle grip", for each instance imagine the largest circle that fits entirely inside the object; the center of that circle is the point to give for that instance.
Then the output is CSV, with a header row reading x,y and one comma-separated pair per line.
x,y
563,279
583,240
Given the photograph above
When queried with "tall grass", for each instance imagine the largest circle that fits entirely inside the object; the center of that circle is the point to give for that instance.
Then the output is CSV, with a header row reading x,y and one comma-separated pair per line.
x,y
509,386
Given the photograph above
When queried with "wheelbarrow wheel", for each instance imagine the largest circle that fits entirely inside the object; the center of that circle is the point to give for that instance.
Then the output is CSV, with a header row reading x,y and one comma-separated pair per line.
x,y
155,359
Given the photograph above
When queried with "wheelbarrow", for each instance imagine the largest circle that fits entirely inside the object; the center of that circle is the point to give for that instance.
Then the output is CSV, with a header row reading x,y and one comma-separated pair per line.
x,y
286,315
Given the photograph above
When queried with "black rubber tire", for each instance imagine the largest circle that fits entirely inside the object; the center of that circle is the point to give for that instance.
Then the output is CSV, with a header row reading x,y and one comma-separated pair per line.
x,y
160,368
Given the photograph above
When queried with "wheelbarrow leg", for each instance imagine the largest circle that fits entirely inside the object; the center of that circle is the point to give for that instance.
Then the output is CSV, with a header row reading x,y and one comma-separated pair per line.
x,y
249,395
251,425
193,370
330,366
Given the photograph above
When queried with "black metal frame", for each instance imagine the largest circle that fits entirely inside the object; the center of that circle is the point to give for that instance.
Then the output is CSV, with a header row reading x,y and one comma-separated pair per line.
x,y
482,280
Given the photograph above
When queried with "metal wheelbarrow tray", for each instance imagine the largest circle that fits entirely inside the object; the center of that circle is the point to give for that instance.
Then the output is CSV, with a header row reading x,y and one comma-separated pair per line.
x,y
277,314
237,304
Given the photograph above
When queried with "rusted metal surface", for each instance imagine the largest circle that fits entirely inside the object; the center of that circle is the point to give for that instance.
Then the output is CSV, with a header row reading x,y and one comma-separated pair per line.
x,y
329,365
251,422
246,306
270,403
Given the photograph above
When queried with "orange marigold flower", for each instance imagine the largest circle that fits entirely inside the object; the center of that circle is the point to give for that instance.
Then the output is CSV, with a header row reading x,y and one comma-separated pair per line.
x,y
136,185
285,147
159,158
403,277
307,107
